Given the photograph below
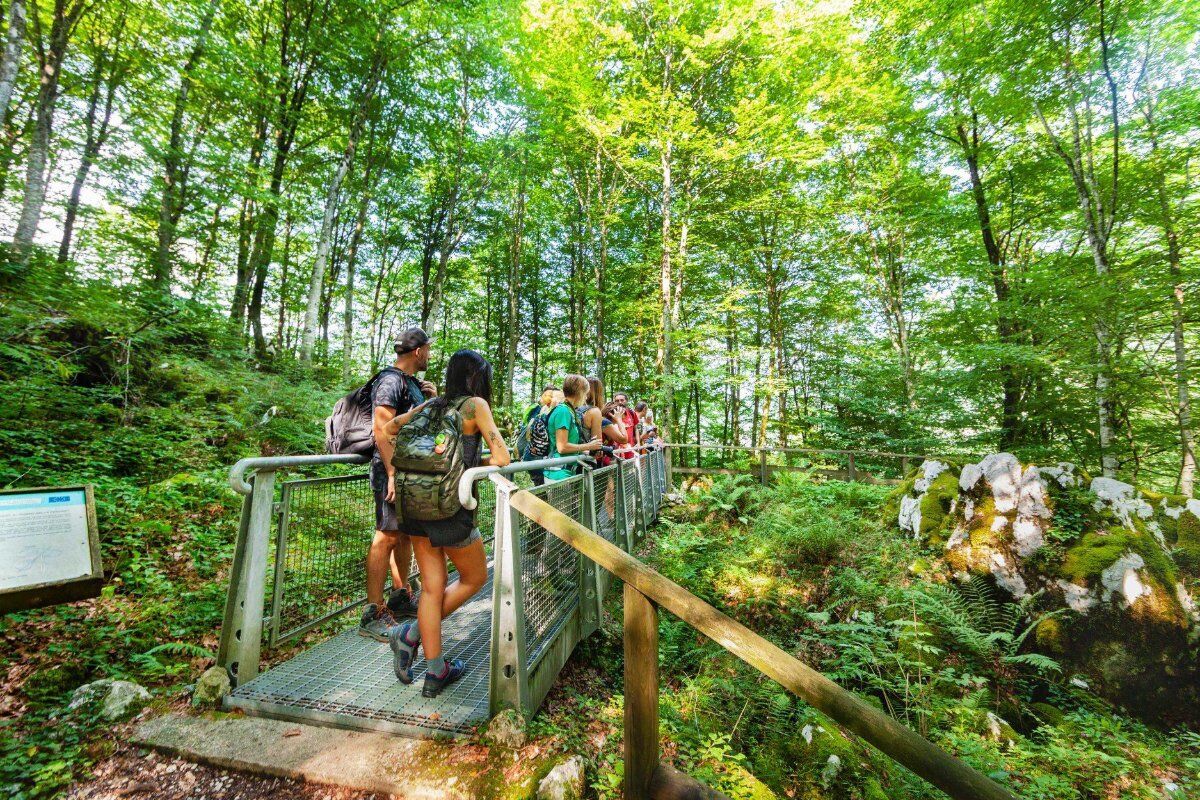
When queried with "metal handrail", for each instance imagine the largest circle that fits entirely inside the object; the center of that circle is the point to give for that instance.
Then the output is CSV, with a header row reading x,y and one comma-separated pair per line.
x,y
272,463
238,471
468,479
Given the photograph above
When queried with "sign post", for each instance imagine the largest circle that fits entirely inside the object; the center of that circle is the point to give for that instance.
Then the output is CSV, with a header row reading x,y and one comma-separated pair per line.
x,y
49,547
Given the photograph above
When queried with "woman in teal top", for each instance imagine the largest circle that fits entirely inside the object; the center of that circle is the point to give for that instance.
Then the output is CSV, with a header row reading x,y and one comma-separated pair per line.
x,y
566,439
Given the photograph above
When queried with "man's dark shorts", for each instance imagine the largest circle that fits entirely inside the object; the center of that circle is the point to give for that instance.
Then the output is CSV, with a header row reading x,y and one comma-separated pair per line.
x,y
386,518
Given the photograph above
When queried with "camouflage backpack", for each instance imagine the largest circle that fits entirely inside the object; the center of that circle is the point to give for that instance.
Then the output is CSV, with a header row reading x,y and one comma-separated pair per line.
x,y
429,462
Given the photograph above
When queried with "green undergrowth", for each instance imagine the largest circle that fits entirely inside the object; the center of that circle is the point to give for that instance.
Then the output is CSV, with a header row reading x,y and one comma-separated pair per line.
x,y
808,565
150,402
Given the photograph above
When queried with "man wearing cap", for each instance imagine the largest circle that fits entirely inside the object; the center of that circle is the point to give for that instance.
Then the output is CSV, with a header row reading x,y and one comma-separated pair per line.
x,y
396,390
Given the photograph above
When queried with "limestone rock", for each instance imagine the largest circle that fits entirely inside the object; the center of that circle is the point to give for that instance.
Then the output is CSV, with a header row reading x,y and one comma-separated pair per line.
x,y
833,768
564,781
1122,562
119,700
210,688
998,730
507,729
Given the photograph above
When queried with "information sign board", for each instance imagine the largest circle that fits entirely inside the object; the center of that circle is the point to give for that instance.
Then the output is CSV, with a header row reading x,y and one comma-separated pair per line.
x,y
49,547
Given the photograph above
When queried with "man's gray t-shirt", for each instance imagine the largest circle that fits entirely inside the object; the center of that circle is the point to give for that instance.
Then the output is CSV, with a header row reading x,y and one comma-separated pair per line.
x,y
400,391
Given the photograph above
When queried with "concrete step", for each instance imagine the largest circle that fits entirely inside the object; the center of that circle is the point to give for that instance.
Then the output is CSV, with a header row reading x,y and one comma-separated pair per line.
x,y
420,769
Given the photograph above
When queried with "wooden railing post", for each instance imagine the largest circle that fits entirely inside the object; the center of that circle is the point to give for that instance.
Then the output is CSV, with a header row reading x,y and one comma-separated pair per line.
x,y
762,467
851,473
904,466
646,589
641,693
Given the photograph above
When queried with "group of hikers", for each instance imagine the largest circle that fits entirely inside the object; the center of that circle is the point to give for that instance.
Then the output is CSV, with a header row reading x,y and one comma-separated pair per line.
x,y
408,413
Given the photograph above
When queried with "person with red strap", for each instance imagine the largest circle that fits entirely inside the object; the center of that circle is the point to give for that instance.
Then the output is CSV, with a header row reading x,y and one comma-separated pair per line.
x,y
628,419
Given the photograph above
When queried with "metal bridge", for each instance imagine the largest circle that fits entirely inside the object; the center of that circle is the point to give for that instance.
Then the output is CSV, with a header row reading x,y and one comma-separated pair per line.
x,y
299,566
553,552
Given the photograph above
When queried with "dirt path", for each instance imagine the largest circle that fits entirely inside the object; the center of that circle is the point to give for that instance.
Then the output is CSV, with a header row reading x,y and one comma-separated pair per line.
x,y
137,774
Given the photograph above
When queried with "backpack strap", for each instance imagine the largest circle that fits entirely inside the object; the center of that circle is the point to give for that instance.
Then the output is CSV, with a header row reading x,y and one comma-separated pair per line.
x,y
411,384
415,396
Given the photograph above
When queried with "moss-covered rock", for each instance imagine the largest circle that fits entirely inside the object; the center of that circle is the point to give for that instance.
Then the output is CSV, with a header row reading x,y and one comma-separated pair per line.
x,y
830,765
1119,563
1187,539
1047,714
937,508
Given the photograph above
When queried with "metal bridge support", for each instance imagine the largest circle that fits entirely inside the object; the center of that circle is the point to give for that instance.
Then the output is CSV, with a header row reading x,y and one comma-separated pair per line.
x,y
510,678
241,631
624,535
591,590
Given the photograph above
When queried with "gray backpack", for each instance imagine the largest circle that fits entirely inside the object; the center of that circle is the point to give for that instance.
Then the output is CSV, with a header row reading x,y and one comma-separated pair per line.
x,y
429,462
350,429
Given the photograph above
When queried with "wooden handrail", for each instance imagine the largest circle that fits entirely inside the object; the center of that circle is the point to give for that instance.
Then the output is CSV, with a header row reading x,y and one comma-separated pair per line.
x,y
903,745
747,448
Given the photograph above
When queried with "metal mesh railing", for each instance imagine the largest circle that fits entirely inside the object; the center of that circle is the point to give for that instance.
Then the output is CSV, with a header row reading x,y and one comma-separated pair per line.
x,y
323,531
314,538
605,508
629,485
549,569
648,499
659,460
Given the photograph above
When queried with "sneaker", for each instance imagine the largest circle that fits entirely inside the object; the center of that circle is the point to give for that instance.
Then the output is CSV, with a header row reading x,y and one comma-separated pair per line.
x,y
434,685
401,603
376,622
403,653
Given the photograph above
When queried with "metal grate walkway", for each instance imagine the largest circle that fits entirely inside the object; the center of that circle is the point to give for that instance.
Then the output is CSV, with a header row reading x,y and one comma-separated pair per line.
x,y
299,563
347,681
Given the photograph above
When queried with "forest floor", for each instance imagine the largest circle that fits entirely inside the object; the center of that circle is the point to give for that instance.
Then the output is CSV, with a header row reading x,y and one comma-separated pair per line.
x,y
154,420
130,772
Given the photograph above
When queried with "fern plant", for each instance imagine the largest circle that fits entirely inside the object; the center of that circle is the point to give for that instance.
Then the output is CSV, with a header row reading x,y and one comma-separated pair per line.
x,y
985,630
728,497
155,667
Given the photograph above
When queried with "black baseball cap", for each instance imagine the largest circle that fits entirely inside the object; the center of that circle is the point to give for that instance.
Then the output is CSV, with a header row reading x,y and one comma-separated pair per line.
x,y
410,340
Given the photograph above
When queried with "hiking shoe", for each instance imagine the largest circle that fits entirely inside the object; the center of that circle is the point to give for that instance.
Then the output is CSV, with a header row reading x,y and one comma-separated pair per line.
x,y
434,685
401,603
376,623
403,653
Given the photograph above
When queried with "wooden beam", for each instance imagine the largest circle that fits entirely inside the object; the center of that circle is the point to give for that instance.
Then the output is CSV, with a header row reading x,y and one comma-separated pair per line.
x,y
641,693
669,783
809,450
898,742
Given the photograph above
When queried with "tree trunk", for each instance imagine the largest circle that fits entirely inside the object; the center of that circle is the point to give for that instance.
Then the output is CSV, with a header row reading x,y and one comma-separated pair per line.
x,y
317,278
1183,400
292,89
665,308
1007,327
535,341
1097,204
50,63
264,247
365,102
210,244
94,136
514,288
174,172
351,267
10,58
246,225
285,263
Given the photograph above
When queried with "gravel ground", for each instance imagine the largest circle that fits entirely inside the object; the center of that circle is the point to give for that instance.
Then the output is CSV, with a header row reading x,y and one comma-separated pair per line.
x,y
131,772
